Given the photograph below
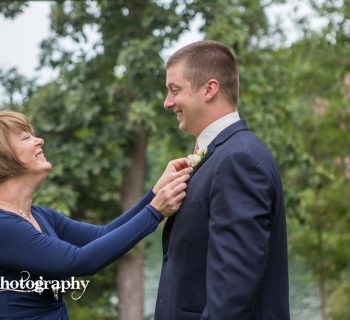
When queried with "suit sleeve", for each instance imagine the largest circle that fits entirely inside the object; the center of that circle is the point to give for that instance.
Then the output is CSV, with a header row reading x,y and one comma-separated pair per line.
x,y
22,247
81,233
239,231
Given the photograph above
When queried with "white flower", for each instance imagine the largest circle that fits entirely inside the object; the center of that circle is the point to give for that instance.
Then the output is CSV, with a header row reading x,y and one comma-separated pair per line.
x,y
203,152
196,158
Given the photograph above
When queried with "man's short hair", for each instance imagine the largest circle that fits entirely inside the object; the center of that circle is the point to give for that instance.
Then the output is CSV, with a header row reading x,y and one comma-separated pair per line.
x,y
208,59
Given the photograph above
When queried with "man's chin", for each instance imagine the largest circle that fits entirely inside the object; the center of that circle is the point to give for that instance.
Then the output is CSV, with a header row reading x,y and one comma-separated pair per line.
x,y
182,127
185,129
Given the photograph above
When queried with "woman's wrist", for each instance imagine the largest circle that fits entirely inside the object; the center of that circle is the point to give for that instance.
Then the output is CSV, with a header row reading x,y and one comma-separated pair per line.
x,y
157,214
155,188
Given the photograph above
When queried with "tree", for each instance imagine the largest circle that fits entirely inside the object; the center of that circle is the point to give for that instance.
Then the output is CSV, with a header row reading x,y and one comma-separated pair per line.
x,y
321,82
16,87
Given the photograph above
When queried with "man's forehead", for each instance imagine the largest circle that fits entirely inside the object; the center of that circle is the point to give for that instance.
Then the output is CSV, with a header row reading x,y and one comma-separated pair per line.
x,y
174,74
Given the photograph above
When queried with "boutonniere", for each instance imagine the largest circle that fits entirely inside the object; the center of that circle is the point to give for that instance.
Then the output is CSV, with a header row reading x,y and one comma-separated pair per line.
x,y
197,157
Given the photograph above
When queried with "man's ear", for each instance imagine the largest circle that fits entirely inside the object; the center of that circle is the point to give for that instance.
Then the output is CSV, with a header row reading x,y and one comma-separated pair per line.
x,y
211,89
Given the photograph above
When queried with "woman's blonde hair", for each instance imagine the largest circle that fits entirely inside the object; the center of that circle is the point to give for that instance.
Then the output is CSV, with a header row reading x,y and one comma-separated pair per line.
x,y
11,121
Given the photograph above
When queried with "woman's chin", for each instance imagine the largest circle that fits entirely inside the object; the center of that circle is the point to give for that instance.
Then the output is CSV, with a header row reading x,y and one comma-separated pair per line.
x,y
48,167
45,168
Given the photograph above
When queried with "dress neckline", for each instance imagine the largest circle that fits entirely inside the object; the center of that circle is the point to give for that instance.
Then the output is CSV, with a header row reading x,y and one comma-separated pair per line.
x,y
34,214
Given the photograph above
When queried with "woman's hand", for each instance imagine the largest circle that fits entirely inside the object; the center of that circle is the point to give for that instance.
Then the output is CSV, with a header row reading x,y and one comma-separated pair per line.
x,y
169,198
175,168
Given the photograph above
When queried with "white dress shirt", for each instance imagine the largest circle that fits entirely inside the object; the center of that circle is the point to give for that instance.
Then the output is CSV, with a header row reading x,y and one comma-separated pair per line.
x,y
211,131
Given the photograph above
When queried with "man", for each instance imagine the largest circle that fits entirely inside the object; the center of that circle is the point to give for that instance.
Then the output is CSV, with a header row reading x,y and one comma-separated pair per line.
x,y
225,251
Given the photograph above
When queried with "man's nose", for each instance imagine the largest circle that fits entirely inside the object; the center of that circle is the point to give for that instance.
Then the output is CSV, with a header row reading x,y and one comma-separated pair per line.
x,y
169,101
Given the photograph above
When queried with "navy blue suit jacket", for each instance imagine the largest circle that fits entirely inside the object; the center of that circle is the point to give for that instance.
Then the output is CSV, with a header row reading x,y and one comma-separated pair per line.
x,y
225,251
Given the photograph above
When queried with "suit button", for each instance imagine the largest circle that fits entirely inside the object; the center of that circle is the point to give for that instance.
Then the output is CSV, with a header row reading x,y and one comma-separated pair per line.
x,y
165,257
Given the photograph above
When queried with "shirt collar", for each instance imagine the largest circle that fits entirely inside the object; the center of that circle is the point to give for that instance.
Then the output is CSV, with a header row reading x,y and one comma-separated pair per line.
x,y
211,131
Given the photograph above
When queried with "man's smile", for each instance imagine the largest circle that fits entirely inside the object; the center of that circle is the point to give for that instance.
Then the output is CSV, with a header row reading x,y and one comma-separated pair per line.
x,y
178,113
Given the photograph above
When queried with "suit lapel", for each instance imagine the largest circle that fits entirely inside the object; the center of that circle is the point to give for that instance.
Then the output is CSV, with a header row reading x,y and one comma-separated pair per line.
x,y
223,136
220,139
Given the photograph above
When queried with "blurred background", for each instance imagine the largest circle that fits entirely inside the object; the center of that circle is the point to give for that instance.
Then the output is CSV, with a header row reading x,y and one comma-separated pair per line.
x,y
90,75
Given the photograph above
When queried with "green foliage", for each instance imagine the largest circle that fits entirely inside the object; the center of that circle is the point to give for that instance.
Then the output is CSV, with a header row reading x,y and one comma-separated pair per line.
x,y
98,300
340,308
320,67
240,24
16,87
12,8
296,98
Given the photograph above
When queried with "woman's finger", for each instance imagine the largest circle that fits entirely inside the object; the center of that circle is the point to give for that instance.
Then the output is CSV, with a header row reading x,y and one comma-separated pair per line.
x,y
178,180
180,163
174,175
180,197
177,190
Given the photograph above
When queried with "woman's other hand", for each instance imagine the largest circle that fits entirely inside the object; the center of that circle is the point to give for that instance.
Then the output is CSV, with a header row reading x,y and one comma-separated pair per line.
x,y
169,198
175,168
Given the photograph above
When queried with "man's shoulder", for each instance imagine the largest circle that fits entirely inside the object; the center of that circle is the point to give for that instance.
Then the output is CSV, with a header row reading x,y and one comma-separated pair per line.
x,y
245,144
245,141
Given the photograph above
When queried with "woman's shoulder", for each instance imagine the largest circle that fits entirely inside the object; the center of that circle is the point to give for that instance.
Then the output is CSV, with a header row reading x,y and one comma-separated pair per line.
x,y
47,213
41,210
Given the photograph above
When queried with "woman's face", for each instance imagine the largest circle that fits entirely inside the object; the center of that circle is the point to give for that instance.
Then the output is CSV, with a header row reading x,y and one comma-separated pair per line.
x,y
29,150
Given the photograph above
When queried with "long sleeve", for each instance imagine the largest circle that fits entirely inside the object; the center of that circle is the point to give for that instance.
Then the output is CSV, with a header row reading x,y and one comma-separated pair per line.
x,y
239,231
81,233
22,247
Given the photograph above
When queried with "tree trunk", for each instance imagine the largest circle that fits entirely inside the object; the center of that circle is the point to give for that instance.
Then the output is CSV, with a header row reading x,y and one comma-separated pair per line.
x,y
321,277
130,285
322,280
129,278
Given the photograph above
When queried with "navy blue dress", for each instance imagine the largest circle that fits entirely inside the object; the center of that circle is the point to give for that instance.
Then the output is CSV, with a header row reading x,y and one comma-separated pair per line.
x,y
65,248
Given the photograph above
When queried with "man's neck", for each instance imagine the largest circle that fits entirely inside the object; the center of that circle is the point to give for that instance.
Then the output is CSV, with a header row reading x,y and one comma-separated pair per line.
x,y
214,128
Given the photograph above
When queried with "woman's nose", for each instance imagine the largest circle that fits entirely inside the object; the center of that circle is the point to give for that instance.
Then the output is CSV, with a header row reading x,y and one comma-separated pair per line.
x,y
40,141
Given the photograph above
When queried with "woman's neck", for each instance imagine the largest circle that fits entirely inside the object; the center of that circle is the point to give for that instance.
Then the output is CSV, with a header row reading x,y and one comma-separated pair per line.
x,y
16,196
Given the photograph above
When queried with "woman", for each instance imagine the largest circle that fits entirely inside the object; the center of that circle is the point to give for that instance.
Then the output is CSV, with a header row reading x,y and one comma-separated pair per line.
x,y
48,245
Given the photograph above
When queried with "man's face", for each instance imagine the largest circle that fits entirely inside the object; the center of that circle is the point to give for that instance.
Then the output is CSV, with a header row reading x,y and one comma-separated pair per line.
x,y
184,101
